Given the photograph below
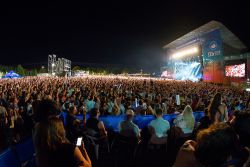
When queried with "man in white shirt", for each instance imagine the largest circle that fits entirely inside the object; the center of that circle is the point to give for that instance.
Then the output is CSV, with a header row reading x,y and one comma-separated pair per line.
x,y
159,127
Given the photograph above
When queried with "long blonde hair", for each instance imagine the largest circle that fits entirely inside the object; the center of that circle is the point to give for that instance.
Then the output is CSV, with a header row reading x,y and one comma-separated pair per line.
x,y
188,116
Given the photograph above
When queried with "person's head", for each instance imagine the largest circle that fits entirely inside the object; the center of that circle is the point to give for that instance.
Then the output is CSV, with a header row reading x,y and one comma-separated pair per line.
x,y
66,106
91,97
215,144
129,114
241,124
72,110
94,112
45,109
158,112
56,133
140,102
217,98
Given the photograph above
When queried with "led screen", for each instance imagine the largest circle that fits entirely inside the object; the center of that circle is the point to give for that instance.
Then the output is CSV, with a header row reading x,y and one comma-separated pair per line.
x,y
237,70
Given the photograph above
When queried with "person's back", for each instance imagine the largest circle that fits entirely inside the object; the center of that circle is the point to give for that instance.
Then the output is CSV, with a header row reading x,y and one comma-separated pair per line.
x,y
159,125
180,122
92,123
223,113
127,127
62,156
94,126
217,110
90,103
72,124
186,120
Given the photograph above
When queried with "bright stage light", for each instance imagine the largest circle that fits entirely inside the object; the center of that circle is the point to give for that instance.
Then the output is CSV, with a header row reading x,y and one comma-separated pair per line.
x,y
185,52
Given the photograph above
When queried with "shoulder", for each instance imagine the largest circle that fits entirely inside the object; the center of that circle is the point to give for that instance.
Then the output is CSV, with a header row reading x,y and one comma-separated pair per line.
x,y
166,122
222,106
180,116
122,122
153,121
134,125
100,124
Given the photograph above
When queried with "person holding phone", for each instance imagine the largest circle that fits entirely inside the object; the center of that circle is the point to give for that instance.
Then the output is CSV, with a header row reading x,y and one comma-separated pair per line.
x,y
56,150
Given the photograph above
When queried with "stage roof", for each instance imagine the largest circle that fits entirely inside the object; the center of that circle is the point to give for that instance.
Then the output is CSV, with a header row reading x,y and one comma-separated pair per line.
x,y
227,36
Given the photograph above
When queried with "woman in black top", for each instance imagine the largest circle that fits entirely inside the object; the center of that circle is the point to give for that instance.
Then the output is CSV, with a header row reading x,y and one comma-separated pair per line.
x,y
94,126
55,149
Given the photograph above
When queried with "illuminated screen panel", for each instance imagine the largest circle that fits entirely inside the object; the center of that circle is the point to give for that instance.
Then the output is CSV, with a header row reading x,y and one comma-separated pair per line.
x,y
238,70
188,71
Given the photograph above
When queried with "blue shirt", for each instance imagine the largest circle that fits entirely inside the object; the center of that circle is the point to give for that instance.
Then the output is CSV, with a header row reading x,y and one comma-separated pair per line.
x,y
160,126
129,129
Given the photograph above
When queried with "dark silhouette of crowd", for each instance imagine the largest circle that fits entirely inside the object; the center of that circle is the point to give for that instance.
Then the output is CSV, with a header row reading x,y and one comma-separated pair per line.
x,y
47,109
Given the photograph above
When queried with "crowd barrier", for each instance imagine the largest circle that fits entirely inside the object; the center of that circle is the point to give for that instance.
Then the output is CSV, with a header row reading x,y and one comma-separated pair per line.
x,y
22,154
19,155
112,122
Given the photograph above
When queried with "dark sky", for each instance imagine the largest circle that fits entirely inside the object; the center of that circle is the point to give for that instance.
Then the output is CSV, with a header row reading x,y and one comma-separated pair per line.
x,y
128,33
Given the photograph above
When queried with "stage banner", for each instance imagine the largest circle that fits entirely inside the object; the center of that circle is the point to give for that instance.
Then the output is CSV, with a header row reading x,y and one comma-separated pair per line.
x,y
212,46
213,59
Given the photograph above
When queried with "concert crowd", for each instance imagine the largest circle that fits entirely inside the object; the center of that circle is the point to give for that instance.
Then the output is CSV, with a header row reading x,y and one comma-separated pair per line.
x,y
46,109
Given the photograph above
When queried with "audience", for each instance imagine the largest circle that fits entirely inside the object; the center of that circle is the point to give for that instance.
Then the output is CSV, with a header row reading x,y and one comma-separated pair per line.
x,y
34,102
213,147
216,145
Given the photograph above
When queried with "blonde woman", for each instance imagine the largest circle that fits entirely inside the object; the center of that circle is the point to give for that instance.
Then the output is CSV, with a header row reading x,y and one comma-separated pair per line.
x,y
186,120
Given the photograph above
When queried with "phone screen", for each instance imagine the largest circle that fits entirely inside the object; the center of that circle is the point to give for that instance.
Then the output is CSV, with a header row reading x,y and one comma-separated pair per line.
x,y
79,141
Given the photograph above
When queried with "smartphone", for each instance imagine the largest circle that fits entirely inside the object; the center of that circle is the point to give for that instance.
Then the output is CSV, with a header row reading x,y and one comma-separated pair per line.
x,y
79,141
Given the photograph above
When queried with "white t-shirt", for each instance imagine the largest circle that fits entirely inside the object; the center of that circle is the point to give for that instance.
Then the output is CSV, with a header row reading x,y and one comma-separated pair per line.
x,y
160,126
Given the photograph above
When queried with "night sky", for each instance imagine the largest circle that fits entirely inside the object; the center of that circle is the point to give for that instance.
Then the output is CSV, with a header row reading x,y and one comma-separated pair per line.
x,y
128,33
